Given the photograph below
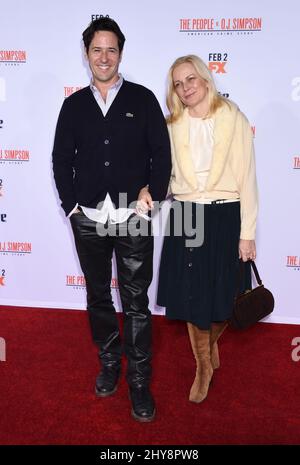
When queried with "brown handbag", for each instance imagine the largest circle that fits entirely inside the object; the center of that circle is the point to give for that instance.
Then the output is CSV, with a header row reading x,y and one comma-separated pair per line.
x,y
252,305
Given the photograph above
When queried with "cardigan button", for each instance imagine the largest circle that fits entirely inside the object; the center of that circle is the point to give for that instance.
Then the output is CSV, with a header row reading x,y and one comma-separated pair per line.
x,y
106,141
107,163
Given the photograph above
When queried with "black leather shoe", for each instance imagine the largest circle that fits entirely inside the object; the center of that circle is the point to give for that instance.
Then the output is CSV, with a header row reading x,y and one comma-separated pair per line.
x,y
107,381
143,406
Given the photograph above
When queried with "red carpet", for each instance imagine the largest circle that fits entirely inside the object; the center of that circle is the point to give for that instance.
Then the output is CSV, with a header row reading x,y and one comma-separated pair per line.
x,y
47,386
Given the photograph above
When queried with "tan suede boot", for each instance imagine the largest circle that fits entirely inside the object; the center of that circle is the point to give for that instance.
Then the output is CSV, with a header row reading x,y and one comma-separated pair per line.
x,y
216,331
196,384
200,342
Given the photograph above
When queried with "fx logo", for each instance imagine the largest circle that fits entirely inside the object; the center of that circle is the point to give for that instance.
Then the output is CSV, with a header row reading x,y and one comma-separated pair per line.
x,y
217,62
217,66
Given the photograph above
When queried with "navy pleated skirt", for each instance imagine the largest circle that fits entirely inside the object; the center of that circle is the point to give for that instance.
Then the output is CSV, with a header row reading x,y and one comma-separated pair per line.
x,y
198,284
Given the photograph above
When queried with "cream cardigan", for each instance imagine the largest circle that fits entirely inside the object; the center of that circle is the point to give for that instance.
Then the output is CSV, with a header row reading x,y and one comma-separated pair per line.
x,y
232,174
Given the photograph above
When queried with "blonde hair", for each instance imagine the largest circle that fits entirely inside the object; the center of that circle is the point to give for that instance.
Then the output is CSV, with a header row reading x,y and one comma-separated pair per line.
x,y
174,103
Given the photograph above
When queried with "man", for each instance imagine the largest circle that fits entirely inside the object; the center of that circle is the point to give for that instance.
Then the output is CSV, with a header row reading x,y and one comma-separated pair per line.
x,y
111,141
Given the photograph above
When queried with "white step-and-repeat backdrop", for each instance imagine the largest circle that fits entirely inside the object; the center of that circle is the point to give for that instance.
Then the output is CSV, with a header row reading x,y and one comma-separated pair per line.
x,y
252,49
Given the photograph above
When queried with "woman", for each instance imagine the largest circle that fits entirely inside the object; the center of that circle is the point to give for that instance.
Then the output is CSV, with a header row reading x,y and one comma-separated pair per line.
x,y
214,175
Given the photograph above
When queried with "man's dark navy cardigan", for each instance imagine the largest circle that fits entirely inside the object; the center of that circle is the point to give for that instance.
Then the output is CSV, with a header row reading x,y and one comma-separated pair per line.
x,y
121,152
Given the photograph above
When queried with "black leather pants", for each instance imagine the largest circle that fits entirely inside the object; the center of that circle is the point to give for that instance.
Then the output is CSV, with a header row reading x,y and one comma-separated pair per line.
x,y
134,257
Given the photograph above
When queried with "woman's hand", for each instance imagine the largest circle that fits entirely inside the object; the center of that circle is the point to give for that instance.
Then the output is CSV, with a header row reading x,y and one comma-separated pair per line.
x,y
247,250
145,202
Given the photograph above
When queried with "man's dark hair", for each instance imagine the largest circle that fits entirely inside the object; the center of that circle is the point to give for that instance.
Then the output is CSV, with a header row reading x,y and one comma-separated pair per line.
x,y
104,23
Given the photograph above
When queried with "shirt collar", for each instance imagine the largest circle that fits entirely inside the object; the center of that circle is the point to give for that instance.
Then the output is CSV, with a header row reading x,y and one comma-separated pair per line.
x,y
116,86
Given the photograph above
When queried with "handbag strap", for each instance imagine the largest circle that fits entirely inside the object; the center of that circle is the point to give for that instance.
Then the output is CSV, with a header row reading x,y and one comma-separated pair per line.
x,y
259,281
242,271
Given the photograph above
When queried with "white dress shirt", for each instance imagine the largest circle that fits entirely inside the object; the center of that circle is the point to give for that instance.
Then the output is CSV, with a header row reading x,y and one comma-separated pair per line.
x,y
201,145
